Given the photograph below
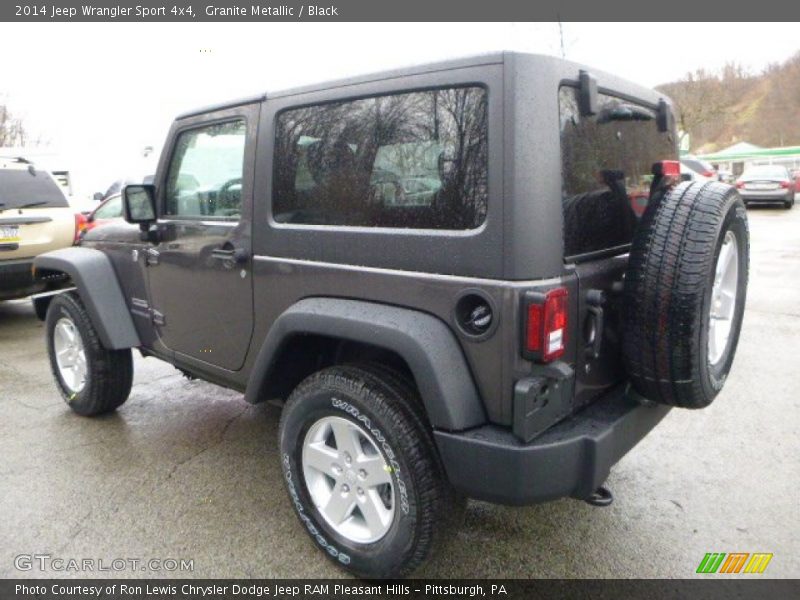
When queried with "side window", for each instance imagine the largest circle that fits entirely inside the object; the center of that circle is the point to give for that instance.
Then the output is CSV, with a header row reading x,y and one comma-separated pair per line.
x,y
413,160
112,209
205,173
606,166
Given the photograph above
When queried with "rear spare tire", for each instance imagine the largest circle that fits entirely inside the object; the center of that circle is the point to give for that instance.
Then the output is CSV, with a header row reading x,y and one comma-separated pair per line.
x,y
685,293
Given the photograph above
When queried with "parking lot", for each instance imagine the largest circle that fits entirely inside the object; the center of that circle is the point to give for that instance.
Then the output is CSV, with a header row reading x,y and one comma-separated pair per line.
x,y
186,470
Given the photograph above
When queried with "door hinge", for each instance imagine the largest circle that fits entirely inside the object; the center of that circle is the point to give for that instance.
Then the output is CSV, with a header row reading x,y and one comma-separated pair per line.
x,y
153,257
157,317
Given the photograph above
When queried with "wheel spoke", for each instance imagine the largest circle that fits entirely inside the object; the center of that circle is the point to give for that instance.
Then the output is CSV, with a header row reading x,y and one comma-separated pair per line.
x,y
339,506
376,515
321,457
727,299
376,470
346,439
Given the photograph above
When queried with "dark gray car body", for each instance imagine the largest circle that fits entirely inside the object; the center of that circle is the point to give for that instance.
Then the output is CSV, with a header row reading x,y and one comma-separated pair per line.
x,y
309,295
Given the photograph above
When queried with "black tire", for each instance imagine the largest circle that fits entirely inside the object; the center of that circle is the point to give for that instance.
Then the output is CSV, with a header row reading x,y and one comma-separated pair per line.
x,y
668,289
383,405
109,373
788,204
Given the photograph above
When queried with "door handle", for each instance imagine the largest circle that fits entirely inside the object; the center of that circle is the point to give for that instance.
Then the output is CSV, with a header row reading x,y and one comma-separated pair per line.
x,y
227,253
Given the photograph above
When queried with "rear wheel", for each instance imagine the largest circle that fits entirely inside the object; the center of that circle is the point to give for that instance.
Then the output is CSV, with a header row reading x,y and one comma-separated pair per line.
x,y
91,379
685,293
361,471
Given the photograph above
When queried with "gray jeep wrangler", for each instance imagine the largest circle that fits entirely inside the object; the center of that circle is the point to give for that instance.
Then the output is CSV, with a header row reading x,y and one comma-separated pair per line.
x,y
479,278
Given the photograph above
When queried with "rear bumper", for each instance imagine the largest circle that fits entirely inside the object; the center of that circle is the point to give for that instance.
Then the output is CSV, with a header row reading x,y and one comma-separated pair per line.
x,y
16,278
572,459
767,196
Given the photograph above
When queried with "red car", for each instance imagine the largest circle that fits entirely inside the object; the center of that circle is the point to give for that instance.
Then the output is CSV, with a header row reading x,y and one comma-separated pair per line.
x,y
109,210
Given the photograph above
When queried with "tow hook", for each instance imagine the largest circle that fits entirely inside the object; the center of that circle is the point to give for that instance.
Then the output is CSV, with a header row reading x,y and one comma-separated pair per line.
x,y
602,496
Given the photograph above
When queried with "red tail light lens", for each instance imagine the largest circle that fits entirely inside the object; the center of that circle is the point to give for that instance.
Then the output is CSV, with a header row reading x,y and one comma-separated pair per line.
x,y
739,185
667,168
671,168
708,174
546,325
80,226
785,185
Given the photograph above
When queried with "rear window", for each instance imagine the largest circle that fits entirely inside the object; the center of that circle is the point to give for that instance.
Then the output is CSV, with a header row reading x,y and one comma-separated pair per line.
x,y
606,168
767,171
411,160
21,188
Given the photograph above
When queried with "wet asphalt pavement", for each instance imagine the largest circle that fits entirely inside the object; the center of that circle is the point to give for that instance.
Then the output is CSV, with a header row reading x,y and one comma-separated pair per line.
x,y
186,470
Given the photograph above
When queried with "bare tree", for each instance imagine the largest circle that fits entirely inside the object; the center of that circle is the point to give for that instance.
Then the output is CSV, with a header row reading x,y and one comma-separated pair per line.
x,y
12,130
701,99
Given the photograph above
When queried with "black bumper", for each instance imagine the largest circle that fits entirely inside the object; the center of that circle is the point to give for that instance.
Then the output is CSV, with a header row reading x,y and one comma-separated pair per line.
x,y
572,459
16,278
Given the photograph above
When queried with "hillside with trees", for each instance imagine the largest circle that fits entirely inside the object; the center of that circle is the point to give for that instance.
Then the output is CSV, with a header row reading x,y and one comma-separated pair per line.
x,y
719,109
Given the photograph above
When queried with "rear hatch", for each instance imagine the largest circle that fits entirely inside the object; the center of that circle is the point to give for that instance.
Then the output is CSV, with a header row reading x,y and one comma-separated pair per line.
x,y
607,161
35,216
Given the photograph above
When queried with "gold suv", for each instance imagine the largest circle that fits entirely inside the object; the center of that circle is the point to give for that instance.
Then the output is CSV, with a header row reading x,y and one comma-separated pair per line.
x,y
35,217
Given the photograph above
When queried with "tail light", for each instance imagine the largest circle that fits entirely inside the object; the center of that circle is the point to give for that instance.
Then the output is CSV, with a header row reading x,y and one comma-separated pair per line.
x,y
709,174
785,185
545,333
80,226
739,185
667,168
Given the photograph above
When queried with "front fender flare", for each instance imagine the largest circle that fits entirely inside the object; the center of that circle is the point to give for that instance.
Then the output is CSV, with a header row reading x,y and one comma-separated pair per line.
x,y
428,346
93,275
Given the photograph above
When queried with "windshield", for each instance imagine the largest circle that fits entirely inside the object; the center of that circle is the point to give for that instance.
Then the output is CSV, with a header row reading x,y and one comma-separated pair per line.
x,y
29,187
766,172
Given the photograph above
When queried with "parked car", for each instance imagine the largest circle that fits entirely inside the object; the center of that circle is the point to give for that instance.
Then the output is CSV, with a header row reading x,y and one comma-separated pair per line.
x,y
796,177
35,217
507,334
701,167
689,174
109,211
767,183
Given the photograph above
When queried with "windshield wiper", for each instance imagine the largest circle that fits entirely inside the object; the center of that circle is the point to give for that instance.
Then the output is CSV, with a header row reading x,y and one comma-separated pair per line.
x,y
624,112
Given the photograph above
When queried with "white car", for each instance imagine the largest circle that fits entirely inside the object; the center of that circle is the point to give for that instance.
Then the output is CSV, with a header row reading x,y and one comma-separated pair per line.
x,y
689,174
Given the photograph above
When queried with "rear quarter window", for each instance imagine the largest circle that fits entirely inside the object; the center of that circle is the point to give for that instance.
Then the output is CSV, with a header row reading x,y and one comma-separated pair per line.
x,y
606,166
407,160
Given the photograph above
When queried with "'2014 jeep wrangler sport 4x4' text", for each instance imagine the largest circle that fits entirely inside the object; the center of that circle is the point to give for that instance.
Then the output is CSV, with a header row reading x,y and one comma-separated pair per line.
x,y
477,278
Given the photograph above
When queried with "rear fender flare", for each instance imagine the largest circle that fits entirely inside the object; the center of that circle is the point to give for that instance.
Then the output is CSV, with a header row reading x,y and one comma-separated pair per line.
x,y
426,344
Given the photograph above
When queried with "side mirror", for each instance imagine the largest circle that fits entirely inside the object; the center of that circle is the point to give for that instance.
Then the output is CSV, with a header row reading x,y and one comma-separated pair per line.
x,y
139,205
98,196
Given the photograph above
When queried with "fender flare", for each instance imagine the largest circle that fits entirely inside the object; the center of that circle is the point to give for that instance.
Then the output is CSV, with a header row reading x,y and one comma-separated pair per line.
x,y
93,275
429,347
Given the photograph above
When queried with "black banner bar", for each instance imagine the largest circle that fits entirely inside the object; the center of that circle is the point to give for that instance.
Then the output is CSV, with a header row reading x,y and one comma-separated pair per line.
x,y
730,588
393,10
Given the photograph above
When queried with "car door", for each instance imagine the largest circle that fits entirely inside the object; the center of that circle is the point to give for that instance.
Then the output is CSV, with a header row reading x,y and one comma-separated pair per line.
x,y
199,271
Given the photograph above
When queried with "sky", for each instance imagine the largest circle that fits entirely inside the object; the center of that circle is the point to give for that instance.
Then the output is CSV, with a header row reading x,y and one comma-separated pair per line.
x,y
98,93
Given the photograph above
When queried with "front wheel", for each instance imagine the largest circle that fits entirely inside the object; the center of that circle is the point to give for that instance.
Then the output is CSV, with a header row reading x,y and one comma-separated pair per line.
x,y
91,379
362,472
